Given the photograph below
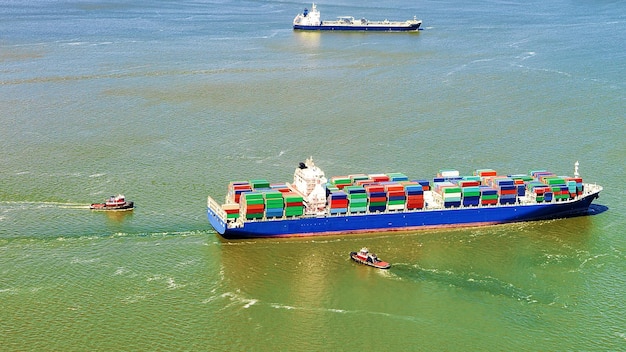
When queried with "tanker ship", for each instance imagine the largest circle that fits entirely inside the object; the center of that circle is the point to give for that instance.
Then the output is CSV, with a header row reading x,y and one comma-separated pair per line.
x,y
311,21
314,205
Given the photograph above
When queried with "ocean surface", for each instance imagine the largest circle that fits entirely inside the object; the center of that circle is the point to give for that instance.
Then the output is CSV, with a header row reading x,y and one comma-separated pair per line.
x,y
168,101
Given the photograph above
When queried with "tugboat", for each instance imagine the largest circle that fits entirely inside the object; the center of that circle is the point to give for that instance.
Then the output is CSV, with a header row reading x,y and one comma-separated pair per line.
x,y
365,257
118,203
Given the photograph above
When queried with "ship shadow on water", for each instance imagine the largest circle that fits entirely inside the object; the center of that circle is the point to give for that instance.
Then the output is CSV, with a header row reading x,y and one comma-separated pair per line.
x,y
596,209
118,217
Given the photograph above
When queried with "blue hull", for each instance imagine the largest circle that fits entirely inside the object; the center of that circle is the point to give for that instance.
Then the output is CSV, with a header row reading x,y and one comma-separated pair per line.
x,y
358,28
402,221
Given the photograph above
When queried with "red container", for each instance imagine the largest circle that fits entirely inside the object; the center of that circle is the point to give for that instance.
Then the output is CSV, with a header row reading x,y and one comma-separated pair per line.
x,y
394,187
254,208
378,199
339,203
415,205
469,183
374,188
293,204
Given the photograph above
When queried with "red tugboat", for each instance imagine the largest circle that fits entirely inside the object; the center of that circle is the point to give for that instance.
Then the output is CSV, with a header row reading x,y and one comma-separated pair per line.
x,y
365,257
118,203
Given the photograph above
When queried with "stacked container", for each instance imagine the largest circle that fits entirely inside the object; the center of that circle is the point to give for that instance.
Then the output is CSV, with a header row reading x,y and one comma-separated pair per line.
x,y
414,195
259,184
274,204
507,191
294,205
470,192
232,210
377,197
424,183
450,192
236,188
338,201
396,197
357,199
397,177
340,181
578,182
252,204
485,172
379,177
488,195
359,179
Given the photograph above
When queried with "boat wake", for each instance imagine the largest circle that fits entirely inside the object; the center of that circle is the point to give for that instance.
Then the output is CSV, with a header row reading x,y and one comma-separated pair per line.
x,y
469,281
41,205
237,300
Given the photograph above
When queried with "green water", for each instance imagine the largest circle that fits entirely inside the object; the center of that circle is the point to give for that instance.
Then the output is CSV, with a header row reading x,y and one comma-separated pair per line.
x,y
167,102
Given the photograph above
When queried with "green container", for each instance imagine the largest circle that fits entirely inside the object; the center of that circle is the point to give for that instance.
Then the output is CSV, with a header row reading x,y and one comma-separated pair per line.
x,y
232,216
357,209
554,181
397,176
471,178
396,202
341,181
357,196
378,204
489,196
294,211
293,199
260,183
358,201
452,190
274,203
359,177
471,194
332,188
253,195
273,195
254,216
254,201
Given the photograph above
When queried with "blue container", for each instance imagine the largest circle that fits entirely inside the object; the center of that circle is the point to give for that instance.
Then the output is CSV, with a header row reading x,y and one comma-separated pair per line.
x,y
378,194
423,182
377,208
488,191
507,200
277,212
504,182
338,210
471,201
392,198
452,204
339,195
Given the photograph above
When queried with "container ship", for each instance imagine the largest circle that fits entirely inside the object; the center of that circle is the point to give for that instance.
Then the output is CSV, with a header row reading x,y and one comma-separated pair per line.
x,y
311,21
314,205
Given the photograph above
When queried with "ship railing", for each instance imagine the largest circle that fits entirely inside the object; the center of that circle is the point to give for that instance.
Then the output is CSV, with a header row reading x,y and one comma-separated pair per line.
x,y
216,208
